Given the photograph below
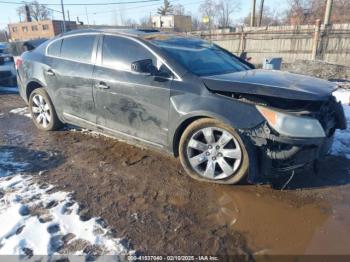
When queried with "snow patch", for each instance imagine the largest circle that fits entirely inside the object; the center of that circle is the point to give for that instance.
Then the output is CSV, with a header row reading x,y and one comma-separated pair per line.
x,y
341,144
35,218
7,165
343,96
24,111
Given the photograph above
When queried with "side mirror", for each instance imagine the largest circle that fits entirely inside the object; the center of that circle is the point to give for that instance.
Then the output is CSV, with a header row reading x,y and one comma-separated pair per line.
x,y
144,67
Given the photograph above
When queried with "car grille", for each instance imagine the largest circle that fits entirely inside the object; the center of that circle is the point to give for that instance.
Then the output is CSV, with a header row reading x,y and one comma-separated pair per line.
x,y
4,74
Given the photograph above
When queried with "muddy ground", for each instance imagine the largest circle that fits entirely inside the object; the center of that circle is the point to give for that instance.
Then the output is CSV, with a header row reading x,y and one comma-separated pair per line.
x,y
146,197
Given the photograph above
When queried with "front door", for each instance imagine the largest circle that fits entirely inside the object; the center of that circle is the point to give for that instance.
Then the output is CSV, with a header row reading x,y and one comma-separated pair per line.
x,y
133,104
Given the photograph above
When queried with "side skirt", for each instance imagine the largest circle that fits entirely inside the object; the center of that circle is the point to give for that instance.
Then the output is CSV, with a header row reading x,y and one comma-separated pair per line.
x,y
113,133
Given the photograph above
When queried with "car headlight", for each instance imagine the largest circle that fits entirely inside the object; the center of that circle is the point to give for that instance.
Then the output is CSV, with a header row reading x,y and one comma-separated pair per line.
x,y
290,125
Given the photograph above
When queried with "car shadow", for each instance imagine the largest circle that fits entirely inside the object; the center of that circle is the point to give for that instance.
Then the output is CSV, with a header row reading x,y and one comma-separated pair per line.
x,y
14,160
332,171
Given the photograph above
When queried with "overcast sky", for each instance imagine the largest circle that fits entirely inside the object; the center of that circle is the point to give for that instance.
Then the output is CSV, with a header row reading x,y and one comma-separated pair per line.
x,y
111,14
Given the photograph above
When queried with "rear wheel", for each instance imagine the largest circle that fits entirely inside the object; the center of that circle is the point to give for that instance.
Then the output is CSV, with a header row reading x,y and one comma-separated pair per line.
x,y
42,111
213,152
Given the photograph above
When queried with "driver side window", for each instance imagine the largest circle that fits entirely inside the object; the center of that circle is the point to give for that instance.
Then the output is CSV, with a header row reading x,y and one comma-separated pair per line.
x,y
120,52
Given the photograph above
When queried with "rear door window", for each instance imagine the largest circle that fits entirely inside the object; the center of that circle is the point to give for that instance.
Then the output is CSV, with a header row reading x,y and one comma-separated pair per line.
x,y
119,53
55,48
78,48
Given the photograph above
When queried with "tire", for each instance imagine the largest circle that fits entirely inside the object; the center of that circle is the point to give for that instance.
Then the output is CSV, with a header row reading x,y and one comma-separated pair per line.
x,y
231,157
42,111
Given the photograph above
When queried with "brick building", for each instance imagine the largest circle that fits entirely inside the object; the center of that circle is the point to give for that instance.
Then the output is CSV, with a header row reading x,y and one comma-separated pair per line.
x,y
38,29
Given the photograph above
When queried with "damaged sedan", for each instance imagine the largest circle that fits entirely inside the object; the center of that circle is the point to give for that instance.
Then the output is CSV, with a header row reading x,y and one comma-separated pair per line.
x,y
224,119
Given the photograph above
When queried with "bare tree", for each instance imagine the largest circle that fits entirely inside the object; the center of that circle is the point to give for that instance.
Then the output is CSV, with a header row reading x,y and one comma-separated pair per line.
x,y
208,9
341,12
269,18
130,23
37,11
166,9
225,8
298,12
179,9
197,24
146,22
307,11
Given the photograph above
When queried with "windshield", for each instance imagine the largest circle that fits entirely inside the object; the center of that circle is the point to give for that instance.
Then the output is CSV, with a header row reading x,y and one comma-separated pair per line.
x,y
200,57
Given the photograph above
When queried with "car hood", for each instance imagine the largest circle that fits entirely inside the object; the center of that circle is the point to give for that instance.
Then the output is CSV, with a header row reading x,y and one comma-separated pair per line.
x,y
272,83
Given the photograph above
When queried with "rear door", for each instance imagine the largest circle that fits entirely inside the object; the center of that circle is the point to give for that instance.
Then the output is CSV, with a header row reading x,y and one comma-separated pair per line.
x,y
71,63
126,102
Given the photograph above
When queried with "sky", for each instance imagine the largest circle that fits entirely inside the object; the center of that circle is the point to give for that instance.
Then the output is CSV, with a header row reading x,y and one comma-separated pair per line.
x,y
111,14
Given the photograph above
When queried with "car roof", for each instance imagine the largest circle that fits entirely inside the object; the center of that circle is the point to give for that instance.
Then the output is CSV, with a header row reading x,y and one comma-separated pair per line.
x,y
146,34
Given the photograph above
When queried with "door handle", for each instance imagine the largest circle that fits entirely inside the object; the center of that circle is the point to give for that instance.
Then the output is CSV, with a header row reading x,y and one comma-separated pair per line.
x,y
50,72
102,85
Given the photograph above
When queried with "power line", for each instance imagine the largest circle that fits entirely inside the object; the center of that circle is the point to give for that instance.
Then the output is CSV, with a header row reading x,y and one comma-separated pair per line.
x,y
126,10
87,4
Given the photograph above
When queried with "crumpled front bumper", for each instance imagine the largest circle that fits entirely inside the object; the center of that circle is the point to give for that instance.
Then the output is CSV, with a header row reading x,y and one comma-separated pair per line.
x,y
275,155
285,155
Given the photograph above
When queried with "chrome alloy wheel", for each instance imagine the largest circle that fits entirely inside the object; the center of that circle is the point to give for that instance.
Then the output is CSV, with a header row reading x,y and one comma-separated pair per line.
x,y
41,111
214,153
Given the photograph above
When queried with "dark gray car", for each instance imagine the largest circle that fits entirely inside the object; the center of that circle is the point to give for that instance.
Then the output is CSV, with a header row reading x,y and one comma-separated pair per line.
x,y
226,120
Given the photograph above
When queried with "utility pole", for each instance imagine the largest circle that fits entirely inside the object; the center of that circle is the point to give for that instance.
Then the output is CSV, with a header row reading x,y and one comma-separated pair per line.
x,y
261,11
327,16
68,15
252,15
28,14
87,16
64,17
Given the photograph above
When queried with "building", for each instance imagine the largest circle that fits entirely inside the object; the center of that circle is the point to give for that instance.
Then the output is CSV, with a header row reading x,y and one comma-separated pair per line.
x,y
38,29
177,23
3,36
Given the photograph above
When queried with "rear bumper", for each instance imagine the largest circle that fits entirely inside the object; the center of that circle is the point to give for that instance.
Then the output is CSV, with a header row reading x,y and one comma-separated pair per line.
x,y
21,89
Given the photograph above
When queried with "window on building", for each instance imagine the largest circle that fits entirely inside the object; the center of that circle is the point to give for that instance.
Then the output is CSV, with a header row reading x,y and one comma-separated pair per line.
x,y
24,28
120,53
45,27
34,28
78,48
55,48
14,29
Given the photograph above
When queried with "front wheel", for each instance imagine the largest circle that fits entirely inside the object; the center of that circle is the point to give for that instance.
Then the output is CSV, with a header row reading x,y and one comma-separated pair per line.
x,y
42,111
213,152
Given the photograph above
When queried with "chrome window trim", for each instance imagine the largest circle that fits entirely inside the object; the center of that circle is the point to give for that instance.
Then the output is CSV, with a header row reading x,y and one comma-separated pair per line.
x,y
176,76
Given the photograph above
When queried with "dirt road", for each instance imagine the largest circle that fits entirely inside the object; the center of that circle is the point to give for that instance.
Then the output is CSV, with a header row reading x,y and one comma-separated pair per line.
x,y
146,197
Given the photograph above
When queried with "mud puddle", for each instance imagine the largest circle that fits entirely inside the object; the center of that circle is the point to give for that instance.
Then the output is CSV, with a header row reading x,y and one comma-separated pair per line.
x,y
274,224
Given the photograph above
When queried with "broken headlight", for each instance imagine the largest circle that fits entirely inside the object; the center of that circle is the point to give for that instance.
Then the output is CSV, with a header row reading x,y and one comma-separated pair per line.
x,y
291,125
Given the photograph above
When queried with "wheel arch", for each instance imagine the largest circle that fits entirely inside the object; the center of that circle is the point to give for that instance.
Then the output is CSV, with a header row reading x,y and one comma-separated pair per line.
x,y
188,120
31,85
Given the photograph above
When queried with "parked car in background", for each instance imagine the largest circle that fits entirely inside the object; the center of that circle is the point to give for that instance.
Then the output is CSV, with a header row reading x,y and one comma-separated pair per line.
x,y
7,67
226,120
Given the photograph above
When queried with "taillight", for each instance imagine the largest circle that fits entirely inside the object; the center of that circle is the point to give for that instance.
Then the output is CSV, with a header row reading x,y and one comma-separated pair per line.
x,y
19,62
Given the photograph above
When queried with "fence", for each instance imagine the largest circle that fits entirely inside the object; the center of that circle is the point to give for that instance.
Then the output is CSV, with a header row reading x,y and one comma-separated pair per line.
x,y
330,44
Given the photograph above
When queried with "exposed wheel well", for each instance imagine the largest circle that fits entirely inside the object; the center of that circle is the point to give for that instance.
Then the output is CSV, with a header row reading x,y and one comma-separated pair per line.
x,y
179,131
31,87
